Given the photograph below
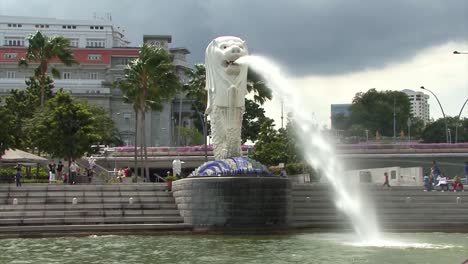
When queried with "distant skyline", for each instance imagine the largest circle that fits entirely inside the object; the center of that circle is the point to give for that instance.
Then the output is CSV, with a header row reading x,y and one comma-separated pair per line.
x,y
331,48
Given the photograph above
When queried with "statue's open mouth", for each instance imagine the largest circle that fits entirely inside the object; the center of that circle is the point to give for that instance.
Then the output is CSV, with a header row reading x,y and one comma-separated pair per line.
x,y
227,63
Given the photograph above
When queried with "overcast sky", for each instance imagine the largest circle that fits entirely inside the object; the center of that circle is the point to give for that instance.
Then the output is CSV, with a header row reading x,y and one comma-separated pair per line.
x,y
332,49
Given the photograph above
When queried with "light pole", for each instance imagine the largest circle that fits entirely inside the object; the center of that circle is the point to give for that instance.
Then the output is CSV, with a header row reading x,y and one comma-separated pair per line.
x,y
409,130
458,121
443,113
461,110
394,120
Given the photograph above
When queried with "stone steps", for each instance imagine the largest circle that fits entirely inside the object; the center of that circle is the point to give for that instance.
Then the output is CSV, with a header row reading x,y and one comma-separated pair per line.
x,y
85,213
398,208
133,205
90,220
97,206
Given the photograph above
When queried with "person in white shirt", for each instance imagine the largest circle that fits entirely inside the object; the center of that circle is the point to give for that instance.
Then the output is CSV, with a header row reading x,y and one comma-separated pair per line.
x,y
442,182
73,171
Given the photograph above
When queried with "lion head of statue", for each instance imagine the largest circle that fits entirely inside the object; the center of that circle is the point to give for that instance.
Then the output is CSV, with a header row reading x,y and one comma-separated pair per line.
x,y
223,52
223,73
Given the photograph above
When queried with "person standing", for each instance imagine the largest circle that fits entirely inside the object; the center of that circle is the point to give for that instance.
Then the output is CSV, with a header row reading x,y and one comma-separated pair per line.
x,y
427,183
52,169
18,175
435,172
386,180
59,170
73,171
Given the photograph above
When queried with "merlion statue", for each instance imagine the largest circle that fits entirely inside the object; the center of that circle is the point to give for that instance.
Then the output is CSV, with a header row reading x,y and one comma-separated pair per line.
x,y
226,83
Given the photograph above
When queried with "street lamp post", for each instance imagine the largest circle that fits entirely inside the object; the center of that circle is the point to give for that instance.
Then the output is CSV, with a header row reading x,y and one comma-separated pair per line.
x,y
458,121
409,129
461,110
443,113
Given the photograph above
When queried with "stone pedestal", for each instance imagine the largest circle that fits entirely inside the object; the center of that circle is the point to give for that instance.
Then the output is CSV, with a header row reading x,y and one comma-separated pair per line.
x,y
237,202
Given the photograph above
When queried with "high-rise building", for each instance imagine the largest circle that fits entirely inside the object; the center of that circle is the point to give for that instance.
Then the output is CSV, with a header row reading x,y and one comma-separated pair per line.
x,y
102,52
419,104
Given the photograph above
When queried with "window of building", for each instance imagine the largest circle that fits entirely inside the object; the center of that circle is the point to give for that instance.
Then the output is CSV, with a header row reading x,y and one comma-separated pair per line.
x,y
73,43
94,56
91,27
95,43
101,27
14,41
11,74
9,25
66,75
62,26
19,25
74,27
47,26
10,55
93,75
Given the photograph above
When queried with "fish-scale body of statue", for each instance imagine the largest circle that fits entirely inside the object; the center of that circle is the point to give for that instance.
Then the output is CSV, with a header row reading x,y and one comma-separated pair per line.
x,y
226,83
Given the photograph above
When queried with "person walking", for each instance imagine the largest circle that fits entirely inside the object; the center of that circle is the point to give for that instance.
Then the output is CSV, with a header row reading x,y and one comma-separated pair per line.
x,y
18,175
386,180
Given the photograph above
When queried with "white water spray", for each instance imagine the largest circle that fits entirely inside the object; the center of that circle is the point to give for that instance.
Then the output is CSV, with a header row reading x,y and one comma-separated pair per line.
x,y
318,152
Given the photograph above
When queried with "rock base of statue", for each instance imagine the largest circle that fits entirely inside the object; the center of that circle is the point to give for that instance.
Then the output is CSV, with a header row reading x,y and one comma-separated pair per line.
x,y
232,202
236,166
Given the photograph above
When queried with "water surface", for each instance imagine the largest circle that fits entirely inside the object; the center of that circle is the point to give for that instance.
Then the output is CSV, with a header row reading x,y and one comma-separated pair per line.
x,y
298,248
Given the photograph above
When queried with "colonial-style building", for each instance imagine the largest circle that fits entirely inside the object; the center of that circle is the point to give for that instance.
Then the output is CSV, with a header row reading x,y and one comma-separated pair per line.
x,y
102,52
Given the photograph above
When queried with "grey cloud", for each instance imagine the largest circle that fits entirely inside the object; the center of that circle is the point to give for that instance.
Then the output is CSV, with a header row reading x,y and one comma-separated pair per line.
x,y
307,37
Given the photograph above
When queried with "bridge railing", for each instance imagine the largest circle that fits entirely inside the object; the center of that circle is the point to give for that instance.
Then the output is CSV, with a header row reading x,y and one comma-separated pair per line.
x,y
402,148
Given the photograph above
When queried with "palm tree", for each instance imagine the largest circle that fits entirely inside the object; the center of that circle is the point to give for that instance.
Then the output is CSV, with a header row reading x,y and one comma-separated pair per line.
x,y
150,80
43,50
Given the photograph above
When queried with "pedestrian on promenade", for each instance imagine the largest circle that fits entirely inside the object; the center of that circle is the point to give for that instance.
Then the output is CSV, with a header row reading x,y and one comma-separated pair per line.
x,y
443,182
73,171
457,184
427,183
52,169
59,170
18,175
386,180
435,172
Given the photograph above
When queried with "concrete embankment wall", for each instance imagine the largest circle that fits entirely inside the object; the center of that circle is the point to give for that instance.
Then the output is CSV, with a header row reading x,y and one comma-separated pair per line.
x,y
397,209
234,202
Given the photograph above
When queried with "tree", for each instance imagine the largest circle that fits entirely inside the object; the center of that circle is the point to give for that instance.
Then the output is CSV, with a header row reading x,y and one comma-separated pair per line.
x,y
67,128
7,124
435,131
22,105
270,146
374,111
191,136
254,117
416,128
149,81
43,50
